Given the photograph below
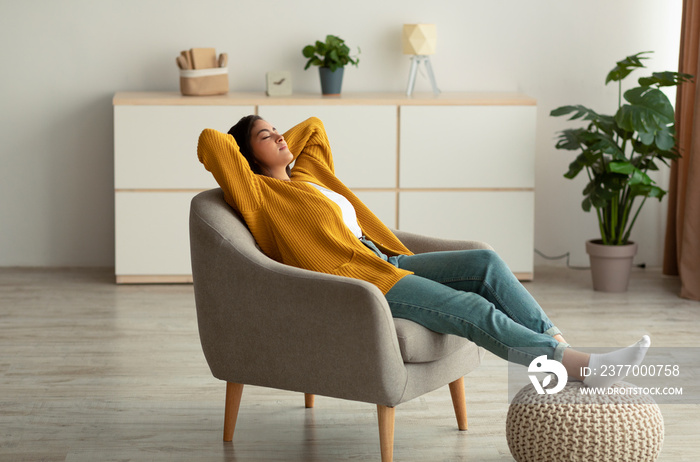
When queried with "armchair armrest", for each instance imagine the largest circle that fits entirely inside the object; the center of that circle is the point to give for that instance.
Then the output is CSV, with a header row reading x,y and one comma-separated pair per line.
x,y
286,327
418,243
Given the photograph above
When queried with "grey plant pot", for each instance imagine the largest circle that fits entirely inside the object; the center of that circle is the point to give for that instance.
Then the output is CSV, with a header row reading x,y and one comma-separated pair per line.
x,y
331,81
610,265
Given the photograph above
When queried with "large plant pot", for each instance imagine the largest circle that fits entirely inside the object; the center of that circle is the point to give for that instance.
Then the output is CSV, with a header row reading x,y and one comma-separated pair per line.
x,y
331,81
610,265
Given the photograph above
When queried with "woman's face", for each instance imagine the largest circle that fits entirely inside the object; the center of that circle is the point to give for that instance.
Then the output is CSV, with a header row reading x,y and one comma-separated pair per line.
x,y
269,147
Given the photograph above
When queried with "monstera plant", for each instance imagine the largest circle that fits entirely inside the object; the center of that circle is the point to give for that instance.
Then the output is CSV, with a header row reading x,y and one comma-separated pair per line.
x,y
617,151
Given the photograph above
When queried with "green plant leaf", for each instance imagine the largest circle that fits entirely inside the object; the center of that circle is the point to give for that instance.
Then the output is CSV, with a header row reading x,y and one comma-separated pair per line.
x,y
626,66
664,140
612,182
653,99
604,123
563,110
589,188
646,138
647,190
579,110
308,51
621,167
333,55
635,175
639,177
333,41
666,156
600,196
649,111
649,164
604,143
570,139
586,205
582,161
655,191
313,61
665,79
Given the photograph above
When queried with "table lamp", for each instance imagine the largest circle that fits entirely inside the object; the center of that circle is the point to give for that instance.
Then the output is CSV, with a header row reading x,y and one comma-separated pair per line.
x,y
419,40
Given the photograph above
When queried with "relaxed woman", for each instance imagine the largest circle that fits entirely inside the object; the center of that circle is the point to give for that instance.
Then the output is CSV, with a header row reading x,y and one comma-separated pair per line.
x,y
306,217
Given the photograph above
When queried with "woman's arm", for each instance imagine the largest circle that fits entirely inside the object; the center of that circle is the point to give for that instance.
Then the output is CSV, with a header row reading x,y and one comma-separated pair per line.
x,y
221,156
308,142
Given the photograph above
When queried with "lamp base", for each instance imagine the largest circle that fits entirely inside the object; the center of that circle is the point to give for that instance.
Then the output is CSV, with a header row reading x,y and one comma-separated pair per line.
x,y
416,60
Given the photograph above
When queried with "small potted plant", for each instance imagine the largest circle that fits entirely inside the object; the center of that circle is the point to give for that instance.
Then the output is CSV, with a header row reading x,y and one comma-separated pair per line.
x,y
331,56
616,153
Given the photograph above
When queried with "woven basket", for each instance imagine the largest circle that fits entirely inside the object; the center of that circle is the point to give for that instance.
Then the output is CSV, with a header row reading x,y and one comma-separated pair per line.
x,y
570,426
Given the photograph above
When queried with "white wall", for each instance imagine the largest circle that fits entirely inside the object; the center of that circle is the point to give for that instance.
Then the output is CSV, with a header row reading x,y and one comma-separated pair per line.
x,y
63,60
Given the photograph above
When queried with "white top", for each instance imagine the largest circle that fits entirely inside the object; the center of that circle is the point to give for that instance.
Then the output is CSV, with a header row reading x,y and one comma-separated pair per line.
x,y
346,208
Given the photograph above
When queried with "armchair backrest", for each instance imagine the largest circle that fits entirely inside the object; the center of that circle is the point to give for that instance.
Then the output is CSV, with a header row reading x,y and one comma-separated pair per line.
x,y
223,253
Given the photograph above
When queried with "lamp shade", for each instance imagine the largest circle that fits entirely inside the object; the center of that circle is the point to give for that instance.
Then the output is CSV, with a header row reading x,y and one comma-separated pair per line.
x,y
419,39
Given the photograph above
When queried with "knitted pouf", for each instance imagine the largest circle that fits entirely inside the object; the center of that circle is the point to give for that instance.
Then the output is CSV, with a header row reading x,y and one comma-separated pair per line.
x,y
571,426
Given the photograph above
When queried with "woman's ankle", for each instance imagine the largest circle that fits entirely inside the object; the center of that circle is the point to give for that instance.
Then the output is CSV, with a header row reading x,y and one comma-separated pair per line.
x,y
574,362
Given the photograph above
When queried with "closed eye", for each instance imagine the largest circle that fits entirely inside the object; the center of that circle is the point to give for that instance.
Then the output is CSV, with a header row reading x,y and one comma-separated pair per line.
x,y
268,133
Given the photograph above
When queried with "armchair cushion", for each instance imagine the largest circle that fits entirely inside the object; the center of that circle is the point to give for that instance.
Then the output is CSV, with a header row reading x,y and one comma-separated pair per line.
x,y
420,345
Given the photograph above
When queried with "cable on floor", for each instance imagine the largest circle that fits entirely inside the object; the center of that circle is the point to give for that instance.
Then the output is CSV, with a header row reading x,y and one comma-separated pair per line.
x,y
567,255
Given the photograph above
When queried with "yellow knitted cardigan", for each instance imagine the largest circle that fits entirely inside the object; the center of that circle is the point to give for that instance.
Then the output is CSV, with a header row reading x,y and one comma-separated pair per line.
x,y
292,221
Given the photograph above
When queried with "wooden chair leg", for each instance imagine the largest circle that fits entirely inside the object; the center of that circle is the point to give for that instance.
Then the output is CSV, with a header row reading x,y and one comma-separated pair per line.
x,y
459,401
308,400
233,402
385,415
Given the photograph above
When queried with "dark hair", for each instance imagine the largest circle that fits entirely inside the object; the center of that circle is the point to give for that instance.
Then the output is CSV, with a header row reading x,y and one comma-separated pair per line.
x,y
241,133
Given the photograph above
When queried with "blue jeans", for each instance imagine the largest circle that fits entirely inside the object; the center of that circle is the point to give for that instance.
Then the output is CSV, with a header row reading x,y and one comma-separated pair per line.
x,y
473,294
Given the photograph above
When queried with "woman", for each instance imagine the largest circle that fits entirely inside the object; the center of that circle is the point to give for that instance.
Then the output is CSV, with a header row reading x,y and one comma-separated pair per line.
x,y
306,217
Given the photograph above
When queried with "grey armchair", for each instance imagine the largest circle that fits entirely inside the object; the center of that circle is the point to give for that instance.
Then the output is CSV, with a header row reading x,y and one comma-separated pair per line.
x,y
272,325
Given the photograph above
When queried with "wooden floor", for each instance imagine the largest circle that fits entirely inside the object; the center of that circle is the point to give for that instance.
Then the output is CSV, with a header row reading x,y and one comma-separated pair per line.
x,y
91,371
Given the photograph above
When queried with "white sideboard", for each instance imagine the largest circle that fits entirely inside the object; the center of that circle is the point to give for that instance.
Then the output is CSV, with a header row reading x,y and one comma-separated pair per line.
x,y
456,165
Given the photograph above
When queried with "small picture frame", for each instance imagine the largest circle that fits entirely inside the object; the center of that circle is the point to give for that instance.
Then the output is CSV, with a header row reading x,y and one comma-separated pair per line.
x,y
279,83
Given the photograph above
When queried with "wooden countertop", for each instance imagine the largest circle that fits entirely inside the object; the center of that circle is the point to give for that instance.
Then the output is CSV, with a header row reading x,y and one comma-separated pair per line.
x,y
365,98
